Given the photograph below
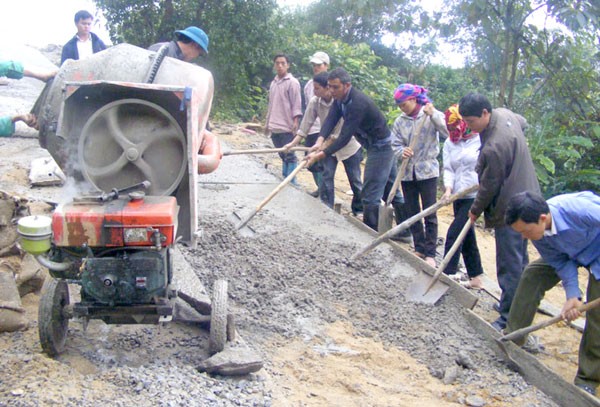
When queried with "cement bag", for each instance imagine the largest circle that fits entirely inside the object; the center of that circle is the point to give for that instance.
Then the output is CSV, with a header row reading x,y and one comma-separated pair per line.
x,y
12,314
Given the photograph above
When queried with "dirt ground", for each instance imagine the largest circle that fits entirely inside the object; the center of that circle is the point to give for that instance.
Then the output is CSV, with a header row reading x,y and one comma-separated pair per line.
x,y
331,333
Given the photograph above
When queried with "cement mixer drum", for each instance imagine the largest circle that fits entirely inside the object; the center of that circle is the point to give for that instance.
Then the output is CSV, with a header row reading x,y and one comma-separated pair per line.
x,y
139,141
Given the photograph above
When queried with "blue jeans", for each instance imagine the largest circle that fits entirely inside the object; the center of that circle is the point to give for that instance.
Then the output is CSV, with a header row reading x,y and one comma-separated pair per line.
x,y
511,259
380,173
352,167
280,140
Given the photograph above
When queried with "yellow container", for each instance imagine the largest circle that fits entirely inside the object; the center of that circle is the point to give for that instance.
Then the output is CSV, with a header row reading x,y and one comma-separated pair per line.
x,y
36,233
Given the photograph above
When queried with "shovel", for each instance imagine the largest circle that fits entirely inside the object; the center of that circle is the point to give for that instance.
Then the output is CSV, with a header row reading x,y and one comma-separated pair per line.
x,y
424,288
265,201
265,150
519,333
386,211
408,222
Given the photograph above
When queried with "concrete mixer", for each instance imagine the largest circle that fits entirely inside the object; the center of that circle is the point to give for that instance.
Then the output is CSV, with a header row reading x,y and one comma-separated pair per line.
x,y
131,124
128,115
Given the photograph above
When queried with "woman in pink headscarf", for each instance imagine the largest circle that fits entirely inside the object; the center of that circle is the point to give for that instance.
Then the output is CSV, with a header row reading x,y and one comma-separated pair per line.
x,y
419,183
461,150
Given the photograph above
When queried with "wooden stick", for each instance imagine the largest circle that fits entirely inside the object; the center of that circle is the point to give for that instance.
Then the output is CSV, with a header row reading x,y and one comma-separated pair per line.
x,y
265,201
519,333
404,164
264,151
449,255
408,222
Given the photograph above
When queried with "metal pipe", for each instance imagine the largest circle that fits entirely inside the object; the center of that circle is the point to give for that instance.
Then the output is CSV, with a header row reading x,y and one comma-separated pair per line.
x,y
209,155
52,265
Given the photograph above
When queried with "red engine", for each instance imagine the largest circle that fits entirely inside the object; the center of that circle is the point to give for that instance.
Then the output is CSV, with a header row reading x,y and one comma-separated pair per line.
x,y
136,220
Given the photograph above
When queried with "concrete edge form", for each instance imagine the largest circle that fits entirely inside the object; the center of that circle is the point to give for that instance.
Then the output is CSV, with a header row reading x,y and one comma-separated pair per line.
x,y
463,296
532,370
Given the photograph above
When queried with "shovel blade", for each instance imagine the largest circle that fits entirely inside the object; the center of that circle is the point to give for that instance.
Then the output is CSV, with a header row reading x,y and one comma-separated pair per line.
x,y
416,289
385,219
245,231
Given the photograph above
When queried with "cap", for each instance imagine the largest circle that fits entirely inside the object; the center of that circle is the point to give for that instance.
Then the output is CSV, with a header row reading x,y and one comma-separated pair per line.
x,y
196,35
319,58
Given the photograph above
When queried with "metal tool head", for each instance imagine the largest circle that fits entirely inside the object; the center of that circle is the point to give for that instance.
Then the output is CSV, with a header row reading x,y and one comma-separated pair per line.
x,y
416,290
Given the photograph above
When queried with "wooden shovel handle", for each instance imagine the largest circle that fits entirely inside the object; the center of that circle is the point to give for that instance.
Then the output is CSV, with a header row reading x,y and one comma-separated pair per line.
x,y
408,222
265,201
519,333
404,164
450,254
264,150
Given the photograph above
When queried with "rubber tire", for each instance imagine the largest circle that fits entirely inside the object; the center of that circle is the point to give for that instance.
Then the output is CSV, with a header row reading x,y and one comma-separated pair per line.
x,y
218,318
52,323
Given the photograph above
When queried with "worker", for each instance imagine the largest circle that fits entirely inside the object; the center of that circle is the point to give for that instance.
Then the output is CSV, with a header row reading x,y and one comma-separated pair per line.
x,y
350,155
364,121
504,168
188,45
7,123
419,182
284,111
84,43
461,150
320,63
566,232
15,70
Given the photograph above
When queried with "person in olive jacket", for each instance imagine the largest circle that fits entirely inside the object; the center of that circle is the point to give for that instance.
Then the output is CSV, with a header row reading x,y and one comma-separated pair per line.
x,y
504,168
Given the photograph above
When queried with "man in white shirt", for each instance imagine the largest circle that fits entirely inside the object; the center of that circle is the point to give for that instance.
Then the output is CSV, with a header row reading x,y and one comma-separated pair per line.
x,y
85,42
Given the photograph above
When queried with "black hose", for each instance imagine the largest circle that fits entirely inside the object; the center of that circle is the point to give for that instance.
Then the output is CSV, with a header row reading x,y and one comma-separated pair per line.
x,y
160,56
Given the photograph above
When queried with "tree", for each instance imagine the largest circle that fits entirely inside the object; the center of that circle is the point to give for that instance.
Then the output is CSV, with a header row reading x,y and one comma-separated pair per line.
x,y
241,39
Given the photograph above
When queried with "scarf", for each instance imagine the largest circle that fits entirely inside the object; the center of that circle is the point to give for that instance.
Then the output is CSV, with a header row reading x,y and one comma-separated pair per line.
x,y
407,91
457,127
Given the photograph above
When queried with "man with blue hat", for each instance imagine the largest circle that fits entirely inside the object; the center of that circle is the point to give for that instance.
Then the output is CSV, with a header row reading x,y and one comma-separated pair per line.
x,y
188,45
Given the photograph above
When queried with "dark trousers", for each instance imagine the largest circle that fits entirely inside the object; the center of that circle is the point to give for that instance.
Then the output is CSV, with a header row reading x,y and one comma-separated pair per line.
x,y
280,140
310,141
424,238
380,173
539,277
511,259
468,247
352,167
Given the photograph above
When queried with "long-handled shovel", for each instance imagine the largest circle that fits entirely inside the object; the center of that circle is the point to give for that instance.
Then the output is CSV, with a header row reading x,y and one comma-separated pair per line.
x,y
264,150
386,211
408,222
265,201
421,289
519,333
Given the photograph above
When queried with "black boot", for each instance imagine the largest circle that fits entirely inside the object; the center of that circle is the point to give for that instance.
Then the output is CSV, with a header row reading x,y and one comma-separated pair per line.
x,y
401,216
371,216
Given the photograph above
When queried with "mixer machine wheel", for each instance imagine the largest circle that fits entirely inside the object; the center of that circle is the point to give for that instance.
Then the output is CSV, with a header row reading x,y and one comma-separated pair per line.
x,y
129,141
218,318
52,321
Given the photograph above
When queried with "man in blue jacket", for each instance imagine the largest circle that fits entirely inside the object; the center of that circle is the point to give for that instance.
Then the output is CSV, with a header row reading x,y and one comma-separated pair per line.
x,y
85,42
566,232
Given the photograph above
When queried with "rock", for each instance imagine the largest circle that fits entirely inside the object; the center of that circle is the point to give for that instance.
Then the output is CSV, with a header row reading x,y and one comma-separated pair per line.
x,y
475,401
232,361
464,360
450,375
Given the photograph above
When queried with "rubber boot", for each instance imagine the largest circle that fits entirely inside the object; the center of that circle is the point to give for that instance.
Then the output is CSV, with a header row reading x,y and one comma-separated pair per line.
x,y
371,216
401,215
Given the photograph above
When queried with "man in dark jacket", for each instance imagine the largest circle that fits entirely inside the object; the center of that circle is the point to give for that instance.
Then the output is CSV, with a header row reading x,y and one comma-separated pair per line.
x,y
85,42
504,168
363,120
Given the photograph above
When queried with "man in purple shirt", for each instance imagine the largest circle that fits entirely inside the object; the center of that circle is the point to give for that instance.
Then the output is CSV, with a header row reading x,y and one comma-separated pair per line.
x,y
284,112
566,232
